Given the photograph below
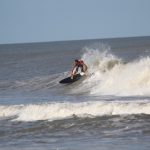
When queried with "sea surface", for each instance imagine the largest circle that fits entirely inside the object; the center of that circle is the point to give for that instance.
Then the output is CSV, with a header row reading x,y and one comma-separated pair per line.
x,y
107,109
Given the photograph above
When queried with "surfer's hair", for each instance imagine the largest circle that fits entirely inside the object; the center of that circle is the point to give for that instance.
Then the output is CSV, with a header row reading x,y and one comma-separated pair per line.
x,y
76,60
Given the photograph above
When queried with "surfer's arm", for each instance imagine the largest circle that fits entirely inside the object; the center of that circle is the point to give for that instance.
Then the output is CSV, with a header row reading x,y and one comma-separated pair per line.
x,y
85,67
73,71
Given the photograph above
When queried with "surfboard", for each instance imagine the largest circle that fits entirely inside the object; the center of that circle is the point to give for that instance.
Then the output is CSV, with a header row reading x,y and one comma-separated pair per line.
x,y
69,80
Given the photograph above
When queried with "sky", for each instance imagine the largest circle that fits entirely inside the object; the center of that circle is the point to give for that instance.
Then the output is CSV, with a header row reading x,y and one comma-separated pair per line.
x,y
23,21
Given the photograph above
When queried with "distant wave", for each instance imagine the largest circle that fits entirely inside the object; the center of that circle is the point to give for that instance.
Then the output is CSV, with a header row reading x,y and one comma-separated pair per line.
x,y
55,111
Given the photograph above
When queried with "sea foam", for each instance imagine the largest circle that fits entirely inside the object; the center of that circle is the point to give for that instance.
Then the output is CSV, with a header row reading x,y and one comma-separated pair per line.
x,y
56,111
110,75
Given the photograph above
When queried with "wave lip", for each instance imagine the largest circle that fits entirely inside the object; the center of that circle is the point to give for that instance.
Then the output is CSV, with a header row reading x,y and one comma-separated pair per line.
x,y
56,111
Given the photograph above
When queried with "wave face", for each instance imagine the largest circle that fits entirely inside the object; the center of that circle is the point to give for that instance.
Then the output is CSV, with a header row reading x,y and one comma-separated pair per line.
x,y
56,111
110,75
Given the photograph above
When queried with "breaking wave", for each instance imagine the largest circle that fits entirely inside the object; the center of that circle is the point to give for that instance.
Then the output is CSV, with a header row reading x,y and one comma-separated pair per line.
x,y
107,75
55,111
110,75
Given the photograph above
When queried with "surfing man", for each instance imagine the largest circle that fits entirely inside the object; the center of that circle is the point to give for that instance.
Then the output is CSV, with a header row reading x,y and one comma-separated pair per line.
x,y
78,65
79,69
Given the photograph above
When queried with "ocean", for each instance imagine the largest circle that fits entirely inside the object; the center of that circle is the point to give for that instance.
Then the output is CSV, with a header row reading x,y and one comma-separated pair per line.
x,y
107,109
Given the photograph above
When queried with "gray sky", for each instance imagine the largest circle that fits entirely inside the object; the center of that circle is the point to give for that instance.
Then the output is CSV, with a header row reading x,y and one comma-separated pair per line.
x,y
55,20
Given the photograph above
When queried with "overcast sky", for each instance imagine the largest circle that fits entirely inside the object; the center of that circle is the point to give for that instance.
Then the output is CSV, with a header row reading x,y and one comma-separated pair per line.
x,y
56,20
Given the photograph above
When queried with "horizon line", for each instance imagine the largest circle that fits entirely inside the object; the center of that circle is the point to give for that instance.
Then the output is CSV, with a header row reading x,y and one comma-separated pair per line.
x,y
110,38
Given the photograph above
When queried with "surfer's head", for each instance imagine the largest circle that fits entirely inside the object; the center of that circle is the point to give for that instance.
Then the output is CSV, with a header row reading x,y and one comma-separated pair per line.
x,y
76,61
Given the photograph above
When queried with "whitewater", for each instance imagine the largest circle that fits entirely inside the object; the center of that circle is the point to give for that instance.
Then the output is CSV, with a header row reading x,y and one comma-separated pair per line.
x,y
110,104
57,111
112,76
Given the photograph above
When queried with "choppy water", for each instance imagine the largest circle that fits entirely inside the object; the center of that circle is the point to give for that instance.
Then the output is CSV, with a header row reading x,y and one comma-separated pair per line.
x,y
108,109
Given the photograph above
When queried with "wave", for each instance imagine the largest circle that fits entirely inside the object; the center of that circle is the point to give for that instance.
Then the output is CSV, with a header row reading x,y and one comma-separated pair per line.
x,y
33,84
56,111
107,75
112,76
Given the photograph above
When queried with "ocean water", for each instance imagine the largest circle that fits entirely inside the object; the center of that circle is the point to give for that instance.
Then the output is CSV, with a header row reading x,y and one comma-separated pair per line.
x,y
107,109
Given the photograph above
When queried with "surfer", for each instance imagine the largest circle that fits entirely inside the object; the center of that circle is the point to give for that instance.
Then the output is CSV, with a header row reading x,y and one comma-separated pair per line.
x,y
79,69
79,64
